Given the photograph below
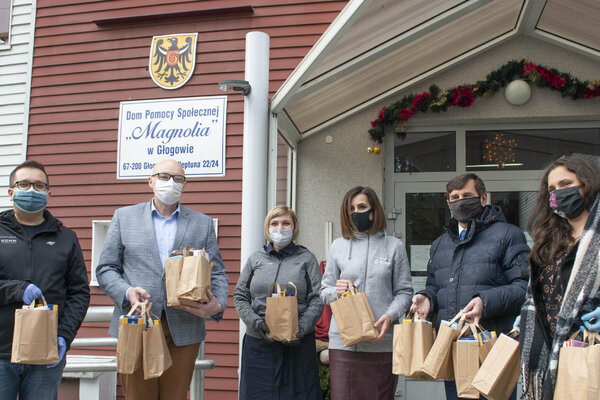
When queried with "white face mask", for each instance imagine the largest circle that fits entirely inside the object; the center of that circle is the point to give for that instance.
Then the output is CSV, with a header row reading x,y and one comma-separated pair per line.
x,y
281,237
168,192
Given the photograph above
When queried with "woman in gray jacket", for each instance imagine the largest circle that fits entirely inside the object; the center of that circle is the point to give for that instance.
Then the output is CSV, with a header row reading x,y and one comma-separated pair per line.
x,y
377,265
271,369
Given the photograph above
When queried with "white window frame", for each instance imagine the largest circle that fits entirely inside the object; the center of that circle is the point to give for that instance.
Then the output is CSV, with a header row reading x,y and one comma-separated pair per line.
x,y
274,132
5,45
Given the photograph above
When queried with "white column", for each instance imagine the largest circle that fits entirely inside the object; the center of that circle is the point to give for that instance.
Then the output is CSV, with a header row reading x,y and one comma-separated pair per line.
x,y
256,150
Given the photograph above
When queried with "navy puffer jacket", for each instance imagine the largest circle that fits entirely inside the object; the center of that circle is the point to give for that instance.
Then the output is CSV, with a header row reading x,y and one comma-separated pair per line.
x,y
491,262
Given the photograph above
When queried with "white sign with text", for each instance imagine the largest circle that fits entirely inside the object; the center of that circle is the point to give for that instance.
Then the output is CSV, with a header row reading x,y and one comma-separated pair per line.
x,y
189,130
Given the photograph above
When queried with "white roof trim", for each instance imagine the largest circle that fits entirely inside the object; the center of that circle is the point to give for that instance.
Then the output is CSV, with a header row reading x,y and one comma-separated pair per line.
x,y
532,11
287,128
334,32
566,44
392,45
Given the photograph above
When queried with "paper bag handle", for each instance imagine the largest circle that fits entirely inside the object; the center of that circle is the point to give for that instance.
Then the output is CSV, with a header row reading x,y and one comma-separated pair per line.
x,y
294,286
418,317
148,315
271,289
32,304
351,288
415,316
594,338
461,319
186,252
135,306
466,327
588,336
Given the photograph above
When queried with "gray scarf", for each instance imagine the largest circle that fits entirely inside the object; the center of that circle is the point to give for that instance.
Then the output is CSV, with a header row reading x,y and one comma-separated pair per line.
x,y
540,363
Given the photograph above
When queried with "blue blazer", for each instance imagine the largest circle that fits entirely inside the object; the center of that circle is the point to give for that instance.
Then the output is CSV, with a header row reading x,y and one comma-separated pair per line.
x,y
130,258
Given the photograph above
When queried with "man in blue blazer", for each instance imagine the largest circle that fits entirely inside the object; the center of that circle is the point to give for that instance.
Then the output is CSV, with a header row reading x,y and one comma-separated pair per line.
x,y
131,269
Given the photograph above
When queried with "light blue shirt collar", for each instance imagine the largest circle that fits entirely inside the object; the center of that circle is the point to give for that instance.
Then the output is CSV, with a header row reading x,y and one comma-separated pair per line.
x,y
156,213
165,231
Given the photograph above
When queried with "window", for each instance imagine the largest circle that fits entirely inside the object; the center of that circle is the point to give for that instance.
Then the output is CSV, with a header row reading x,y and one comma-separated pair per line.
x,y
527,149
425,152
5,7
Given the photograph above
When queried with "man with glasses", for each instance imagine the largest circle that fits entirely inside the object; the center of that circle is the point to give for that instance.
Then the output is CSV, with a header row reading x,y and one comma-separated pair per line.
x,y
131,269
39,257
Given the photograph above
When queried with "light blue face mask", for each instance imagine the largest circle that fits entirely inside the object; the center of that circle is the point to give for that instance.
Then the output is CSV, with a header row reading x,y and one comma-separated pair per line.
x,y
281,237
30,200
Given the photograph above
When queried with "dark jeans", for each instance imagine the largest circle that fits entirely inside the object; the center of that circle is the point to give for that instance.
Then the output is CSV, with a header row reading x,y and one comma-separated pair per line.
x,y
451,392
30,382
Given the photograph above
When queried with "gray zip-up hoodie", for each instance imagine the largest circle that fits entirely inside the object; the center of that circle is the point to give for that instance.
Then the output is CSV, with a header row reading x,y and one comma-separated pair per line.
x,y
262,269
378,265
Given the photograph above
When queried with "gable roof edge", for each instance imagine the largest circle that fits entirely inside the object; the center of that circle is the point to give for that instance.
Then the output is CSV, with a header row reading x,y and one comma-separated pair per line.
x,y
349,14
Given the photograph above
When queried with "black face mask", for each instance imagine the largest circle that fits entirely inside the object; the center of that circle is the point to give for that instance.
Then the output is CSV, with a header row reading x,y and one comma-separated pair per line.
x,y
362,221
567,203
464,210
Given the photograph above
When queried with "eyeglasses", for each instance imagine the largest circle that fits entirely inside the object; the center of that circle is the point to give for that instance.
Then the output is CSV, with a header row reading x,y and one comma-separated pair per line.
x,y
25,185
165,177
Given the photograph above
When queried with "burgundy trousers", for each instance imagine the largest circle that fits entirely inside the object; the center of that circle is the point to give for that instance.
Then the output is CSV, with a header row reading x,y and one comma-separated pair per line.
x,y
361,375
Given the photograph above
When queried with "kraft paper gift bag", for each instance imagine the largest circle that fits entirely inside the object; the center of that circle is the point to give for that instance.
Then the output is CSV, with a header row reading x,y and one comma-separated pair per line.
x,y
413,339
438,363
156,358
129,340
499,373
579,369
35,334
173,266
281,315
486,339
354,317
465,360
194,281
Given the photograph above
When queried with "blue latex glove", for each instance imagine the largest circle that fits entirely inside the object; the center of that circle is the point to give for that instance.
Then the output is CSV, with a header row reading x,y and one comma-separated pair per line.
x,y
62,349
591,320
31,293
517,322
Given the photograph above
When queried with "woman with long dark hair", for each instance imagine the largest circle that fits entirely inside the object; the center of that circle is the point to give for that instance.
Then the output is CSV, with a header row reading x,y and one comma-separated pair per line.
x,y
377,264
564,269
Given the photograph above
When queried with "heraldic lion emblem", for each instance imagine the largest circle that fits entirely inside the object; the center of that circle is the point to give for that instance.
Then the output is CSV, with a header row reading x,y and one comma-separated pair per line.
x,y
172,59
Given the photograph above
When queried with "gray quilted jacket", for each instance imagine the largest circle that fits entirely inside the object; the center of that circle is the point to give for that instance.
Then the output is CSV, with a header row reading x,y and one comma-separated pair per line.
x,y
262,269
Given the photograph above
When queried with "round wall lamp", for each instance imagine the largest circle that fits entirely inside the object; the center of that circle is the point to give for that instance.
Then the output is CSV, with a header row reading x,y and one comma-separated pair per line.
x,y
517,92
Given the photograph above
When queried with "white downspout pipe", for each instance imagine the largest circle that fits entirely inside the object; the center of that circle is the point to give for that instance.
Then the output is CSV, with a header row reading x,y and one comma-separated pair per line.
x,y
256,149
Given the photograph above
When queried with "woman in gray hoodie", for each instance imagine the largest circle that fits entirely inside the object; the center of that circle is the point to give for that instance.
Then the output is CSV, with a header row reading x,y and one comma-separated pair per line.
x,y
377,264
272,369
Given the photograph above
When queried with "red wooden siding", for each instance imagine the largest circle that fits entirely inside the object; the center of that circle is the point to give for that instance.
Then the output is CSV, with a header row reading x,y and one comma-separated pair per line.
x,y
81,71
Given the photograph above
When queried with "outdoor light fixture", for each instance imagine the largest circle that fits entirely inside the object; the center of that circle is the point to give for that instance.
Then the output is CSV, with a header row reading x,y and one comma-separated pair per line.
x,y
237,85
517,92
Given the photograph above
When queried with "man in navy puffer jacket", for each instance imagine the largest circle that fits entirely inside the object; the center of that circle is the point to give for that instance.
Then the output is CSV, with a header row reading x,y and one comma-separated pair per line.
x,y
478,265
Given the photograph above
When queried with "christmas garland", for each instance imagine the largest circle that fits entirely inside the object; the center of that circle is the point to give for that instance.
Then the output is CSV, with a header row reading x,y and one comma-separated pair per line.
x,y
437,100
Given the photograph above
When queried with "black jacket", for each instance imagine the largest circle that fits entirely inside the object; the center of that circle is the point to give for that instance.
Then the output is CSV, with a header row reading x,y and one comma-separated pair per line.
x,y
52,260
490,263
